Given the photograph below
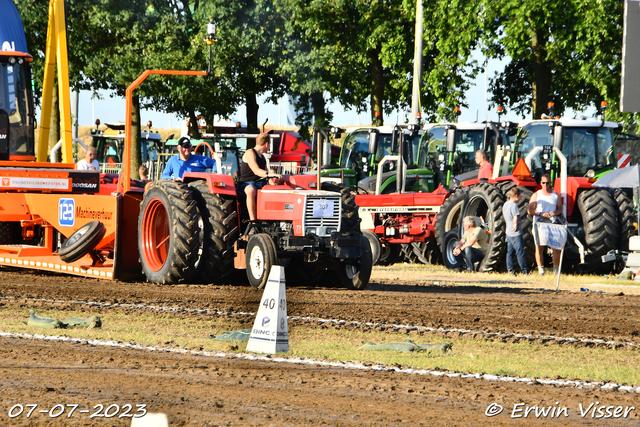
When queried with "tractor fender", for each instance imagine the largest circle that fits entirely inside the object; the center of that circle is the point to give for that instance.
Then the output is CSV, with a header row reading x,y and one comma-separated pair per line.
x,y
217,183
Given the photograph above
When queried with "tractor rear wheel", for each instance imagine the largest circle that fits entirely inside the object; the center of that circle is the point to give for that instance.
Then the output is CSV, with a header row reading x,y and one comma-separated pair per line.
x,y
626,218
600,225
376,246
261,256
486,201
220,230
350,219
356,275
449,215
168,232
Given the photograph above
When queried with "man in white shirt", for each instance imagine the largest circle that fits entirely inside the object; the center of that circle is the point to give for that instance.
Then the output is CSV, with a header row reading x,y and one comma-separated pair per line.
x,y
89,163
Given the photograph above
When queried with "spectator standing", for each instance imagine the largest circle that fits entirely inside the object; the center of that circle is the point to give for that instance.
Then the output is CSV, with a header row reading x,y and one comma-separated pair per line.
x,y
515,242
473,244
486,170
89,163
545,205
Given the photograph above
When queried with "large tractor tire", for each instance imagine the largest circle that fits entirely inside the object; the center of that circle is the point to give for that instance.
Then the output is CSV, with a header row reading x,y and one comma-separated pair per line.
x,y
598,210
626,218
486,201
350,218
261,256
168,232
526,223
449,215
356,275
219,232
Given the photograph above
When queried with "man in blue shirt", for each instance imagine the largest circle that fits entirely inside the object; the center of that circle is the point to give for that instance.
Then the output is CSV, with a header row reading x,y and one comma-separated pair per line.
x,y
184,161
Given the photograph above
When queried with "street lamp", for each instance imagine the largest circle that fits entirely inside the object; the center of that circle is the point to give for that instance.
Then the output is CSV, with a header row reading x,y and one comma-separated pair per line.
x,y
210,40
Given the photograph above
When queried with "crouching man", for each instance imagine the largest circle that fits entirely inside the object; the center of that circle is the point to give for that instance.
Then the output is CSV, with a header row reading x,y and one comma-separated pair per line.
x,y
473,245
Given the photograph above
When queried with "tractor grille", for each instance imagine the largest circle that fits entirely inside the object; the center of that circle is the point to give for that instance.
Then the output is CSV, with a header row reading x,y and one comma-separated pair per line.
x,y
322,215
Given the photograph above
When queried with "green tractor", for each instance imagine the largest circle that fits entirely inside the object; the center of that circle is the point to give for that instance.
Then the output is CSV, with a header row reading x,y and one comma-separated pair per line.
x,y
363,150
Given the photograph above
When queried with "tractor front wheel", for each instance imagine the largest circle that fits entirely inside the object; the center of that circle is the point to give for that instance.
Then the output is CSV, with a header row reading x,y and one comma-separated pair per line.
x,y
422,252
261,256
168,232
356,275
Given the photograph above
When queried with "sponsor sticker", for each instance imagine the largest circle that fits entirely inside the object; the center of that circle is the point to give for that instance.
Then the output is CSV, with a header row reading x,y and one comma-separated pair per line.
x,y
85,181
67,212
35,183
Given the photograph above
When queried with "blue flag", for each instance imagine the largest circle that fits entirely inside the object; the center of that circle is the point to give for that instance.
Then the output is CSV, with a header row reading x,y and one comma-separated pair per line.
x,y
11,30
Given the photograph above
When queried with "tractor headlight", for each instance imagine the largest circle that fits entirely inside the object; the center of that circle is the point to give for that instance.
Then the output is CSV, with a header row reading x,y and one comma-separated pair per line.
x,y
591,173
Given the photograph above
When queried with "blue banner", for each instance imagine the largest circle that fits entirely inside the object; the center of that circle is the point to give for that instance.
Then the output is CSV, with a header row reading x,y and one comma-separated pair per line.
x,y
11,30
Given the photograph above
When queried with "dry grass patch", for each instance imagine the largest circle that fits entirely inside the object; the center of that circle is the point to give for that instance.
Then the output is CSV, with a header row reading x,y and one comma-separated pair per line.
x,y
440,275
468,355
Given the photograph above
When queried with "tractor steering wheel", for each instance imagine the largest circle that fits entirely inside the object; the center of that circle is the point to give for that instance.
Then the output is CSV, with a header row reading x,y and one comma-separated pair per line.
x,y
201,144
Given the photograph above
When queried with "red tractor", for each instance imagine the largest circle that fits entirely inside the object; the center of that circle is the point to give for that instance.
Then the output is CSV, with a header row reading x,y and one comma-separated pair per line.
x,y
574,152
307,231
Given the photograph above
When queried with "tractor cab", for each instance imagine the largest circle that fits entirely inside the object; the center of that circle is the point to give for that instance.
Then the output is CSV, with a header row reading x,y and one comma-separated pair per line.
x,y
458,159
110,146
587,144
17,115
355,154
372,154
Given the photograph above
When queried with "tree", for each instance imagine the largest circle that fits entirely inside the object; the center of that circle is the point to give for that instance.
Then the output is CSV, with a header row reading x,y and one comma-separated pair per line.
x,y
565,52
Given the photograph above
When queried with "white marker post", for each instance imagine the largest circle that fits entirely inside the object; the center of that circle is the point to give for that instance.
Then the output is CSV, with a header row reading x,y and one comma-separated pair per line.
x,y
270,333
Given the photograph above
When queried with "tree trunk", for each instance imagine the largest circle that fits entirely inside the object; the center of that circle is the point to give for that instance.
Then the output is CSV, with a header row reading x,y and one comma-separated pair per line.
x,y
541,84
54,130
194,131
136,155
252,117
321,118
377,86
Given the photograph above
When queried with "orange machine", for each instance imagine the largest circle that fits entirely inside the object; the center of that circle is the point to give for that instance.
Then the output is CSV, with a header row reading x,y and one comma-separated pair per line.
x,y
52,216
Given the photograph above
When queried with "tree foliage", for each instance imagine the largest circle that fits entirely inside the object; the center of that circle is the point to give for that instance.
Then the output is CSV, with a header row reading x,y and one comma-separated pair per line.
x,y
568,53
354,52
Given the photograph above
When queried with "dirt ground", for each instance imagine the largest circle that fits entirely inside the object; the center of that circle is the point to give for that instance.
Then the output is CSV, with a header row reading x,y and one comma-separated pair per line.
x,y
198,390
